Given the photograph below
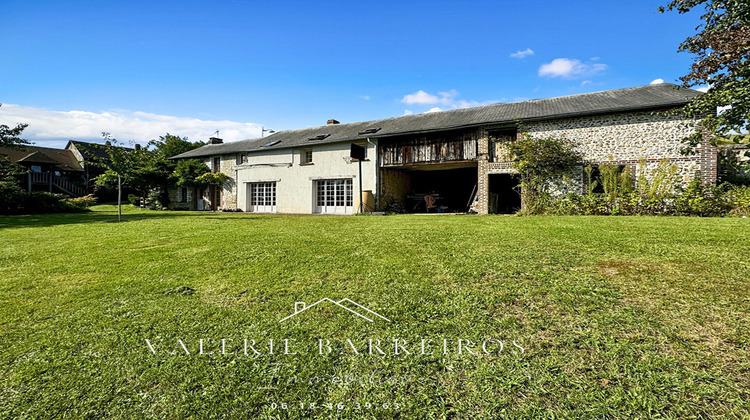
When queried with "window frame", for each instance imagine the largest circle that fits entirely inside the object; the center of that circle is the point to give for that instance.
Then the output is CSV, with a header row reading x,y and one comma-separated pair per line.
x,y
334,196
306,156
261,197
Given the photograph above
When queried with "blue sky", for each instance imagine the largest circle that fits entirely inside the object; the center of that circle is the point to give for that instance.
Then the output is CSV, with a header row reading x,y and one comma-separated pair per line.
x,y
138,69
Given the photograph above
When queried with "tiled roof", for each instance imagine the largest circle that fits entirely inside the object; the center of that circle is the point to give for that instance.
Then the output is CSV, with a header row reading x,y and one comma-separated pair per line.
x,y
63,160
89,150
649,97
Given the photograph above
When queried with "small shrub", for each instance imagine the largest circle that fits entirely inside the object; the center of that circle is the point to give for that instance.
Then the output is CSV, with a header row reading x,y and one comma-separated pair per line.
x,y
81,203
11,195
157,199
134,200
662,181
738,200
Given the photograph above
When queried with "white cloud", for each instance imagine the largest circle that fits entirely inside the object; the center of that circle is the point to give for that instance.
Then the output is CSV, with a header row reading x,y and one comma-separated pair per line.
x,y
448,99
657,81
407,112
365,97
570,68
420,97
703,89
54,128
521,54
586,82
435,109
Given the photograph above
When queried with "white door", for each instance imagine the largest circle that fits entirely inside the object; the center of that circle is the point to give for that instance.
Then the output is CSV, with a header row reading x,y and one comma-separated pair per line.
x,y
262,197
334,196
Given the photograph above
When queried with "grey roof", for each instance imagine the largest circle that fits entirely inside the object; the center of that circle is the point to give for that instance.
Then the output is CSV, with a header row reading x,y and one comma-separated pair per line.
x,y
659,96
93,150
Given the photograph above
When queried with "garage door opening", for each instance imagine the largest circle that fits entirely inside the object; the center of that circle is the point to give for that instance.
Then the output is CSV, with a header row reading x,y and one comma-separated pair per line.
x,y
430,190
504,196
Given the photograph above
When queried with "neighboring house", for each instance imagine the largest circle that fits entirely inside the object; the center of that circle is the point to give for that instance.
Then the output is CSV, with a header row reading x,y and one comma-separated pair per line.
x,y
86,154
52,170
69,170
447,161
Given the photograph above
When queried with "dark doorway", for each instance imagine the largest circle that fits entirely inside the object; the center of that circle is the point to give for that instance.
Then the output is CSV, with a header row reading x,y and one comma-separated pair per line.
x,y
449,190
214,197
503,194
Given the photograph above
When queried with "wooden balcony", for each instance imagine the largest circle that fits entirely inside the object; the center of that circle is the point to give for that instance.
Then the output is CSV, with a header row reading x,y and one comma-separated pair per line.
x,y
53,181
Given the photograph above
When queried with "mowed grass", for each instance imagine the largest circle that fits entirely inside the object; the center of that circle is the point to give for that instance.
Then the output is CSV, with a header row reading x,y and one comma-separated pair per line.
x,y
619,317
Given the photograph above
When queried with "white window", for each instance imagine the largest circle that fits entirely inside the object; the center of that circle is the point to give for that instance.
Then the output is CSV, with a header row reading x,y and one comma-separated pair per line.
x,y
262,197
334,196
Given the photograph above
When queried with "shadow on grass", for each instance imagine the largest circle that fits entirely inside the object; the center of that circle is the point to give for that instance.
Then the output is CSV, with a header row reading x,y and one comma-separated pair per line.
x,y
106,215
53,219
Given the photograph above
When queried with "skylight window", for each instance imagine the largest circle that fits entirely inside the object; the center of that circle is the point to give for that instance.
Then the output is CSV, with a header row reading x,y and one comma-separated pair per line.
x,y
369,131
319,137
271,143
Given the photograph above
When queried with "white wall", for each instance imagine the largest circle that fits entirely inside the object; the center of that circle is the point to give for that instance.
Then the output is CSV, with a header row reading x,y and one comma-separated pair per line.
x,y
295,183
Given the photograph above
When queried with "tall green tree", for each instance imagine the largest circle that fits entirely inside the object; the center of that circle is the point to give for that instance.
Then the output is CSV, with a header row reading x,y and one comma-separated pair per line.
x,y
11,192
169,145
721,47
11,137
192,173
147,170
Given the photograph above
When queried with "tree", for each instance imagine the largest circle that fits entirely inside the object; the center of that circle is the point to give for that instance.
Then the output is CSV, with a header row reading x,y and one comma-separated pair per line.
x,y
192,173
10,137
9,171
147,170
722,48
538,162
170,145
11,192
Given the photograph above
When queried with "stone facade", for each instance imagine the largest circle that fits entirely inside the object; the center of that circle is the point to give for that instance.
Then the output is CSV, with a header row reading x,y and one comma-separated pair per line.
x,y
229,194
626,139
227,165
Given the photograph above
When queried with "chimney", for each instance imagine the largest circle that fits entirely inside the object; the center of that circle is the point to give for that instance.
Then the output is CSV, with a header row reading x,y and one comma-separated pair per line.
x,y
137,146
215,140
299,307
332,121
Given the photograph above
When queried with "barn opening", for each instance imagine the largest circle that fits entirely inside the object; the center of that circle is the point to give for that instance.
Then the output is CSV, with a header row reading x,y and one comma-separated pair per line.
x,y
430,188
504,197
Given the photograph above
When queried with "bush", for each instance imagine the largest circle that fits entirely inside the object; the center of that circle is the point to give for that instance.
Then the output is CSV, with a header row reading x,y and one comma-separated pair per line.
x,y
11,194
81,203
157,199
538,162
693,200
16,200
134,200
738,199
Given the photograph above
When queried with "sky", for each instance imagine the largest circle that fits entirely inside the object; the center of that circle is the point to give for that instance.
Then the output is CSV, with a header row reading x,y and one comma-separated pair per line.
x,y
140,69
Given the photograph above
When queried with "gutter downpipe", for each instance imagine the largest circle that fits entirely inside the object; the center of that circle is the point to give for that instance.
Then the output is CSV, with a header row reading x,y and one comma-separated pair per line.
x,y
377,176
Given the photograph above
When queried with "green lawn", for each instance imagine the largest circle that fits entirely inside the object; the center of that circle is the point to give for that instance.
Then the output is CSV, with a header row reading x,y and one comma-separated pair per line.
x,y
627,317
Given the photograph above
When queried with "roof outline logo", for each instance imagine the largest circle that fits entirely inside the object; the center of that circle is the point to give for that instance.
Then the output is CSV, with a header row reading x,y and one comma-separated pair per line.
x,y
300,307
